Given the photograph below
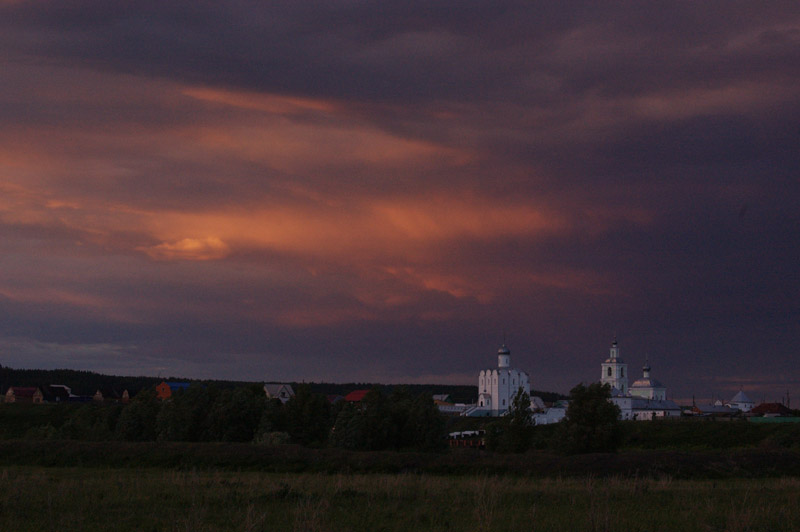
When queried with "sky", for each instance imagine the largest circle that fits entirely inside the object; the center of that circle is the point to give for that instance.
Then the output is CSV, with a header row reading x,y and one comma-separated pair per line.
x,y
356,191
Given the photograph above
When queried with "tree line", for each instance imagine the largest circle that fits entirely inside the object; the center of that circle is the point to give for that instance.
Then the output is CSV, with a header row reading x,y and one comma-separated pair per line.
x,y
397,420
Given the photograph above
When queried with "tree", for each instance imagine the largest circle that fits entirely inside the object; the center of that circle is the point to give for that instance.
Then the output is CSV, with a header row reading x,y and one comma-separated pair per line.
x,y
235,414
399,421
592,421
513,432
426,425
183,417
349,430
308,417
137,421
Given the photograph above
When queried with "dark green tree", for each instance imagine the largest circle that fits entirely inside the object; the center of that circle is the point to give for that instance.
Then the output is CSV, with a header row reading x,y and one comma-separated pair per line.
x,y
137,421
513,432
399,421
183,416
519,423
349,430
90,422
273,420
425,427
367,426
308,417
235,414
592,421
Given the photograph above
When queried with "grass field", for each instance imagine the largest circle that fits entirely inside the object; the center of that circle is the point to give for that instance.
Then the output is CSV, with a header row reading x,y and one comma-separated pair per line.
x,y
98,499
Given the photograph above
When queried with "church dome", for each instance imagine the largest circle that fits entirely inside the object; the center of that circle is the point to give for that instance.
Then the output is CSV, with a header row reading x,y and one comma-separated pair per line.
x,y
617,360
503,350
647,383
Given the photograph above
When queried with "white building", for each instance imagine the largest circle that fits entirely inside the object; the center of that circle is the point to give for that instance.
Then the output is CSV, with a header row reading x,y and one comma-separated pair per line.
x,y
648,387
642,409
615,371
742,402
646,399
497,387
284,392
554,414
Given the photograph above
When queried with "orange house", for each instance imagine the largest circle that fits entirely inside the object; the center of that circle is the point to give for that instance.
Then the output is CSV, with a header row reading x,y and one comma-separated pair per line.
x,y
165,389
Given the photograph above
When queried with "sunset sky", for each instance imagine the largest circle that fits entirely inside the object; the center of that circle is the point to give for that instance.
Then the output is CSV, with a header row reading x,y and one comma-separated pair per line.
x,y
362,191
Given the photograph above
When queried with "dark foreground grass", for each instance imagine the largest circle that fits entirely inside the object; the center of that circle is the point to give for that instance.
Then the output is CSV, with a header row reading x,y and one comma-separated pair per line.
x,y
701,464
99,499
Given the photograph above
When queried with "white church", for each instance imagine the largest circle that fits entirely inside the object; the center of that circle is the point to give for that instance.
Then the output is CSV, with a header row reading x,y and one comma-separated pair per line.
x,y
498,386
645,399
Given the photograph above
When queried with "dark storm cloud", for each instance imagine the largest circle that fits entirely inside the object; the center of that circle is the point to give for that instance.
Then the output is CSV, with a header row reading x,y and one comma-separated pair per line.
x,y
416,51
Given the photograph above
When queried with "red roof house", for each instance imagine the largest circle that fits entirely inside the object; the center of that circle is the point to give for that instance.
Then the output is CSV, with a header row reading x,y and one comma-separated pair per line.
x,y
356,396
771,410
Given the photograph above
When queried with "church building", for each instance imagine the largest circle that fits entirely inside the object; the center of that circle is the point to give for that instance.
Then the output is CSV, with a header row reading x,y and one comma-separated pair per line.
x,y
648,387
646,399
615,372
497,387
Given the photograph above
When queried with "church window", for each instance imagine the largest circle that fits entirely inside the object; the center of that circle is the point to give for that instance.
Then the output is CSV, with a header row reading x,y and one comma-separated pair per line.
x,y
504,381
609,371
504,402
621,372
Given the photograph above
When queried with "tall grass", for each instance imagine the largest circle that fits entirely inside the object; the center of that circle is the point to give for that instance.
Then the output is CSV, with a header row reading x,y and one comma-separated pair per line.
x,y
101,499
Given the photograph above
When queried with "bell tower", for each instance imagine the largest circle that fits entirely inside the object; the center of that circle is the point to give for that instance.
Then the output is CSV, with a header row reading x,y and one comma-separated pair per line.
x,y
615,370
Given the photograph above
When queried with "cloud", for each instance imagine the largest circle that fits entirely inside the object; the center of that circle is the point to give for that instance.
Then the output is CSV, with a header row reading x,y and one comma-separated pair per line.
x,y
332,190
209,248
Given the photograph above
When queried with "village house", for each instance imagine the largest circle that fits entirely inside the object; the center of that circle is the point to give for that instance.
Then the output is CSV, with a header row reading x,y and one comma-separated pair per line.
x,y
282,392
356,396
165,389
771,410
713,410
109,395
19,394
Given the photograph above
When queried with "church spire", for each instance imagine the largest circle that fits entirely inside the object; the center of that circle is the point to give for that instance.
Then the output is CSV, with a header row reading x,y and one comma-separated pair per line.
x,y
614,351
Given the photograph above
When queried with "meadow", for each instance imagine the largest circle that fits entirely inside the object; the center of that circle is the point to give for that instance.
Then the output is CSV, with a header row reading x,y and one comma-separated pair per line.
x,y
38,498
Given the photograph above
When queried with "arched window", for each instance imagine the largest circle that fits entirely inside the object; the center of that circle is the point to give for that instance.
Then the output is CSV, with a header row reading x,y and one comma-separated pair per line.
x,y
621,372
609,371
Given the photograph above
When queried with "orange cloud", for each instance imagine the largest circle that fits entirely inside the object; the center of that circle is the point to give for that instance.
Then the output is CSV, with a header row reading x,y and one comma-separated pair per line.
x,y
268,103
684,103
378,227
209,248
